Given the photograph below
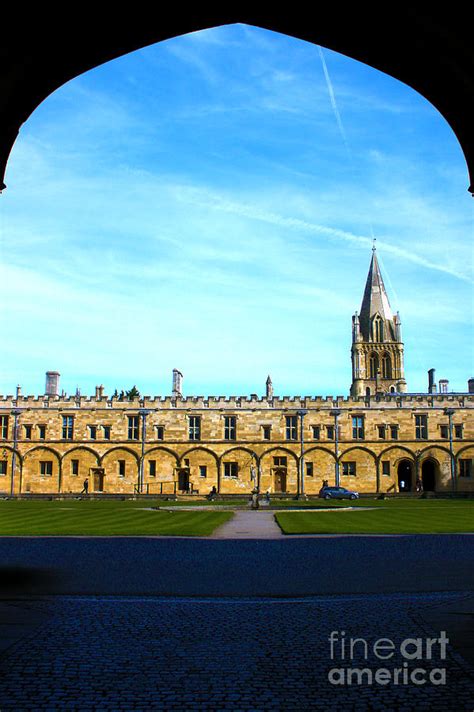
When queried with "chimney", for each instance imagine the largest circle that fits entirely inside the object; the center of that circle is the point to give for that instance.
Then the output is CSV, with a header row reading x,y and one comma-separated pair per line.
x,y
470,385
431,381
443,385
52,383
269,389
177,382
99,392
18,392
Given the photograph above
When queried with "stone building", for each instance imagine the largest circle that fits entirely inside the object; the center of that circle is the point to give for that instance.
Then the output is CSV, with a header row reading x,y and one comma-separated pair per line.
x,y
379,439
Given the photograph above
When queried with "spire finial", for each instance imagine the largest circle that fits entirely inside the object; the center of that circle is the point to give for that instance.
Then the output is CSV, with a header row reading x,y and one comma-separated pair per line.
x,y
374,247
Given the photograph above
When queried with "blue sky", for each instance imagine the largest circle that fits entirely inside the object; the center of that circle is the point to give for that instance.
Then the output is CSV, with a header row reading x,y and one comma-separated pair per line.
x,y
209,202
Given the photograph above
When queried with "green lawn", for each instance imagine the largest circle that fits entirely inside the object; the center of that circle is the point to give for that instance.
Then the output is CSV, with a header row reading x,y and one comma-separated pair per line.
x,y
102,518
417,516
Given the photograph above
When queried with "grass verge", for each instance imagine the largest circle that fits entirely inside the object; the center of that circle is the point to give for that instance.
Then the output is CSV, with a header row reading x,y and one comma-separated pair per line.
x,y
100,518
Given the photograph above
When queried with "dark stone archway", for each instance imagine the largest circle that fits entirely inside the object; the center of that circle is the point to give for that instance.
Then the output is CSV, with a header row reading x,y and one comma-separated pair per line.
x,y
405,476
428,475
44,52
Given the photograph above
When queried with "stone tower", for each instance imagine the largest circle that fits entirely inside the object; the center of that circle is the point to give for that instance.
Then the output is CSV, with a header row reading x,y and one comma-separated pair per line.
x,y
377,347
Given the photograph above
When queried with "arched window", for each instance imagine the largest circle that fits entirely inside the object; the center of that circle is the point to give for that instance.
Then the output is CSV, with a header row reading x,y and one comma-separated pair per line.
x,y
373,365
377,330
386,366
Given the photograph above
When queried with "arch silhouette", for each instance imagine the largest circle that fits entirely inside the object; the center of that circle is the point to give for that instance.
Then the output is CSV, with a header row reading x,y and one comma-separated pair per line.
x,y
164,449
43,447
437,61
239,447
13,450
124,449
321,449
357,447
81,447
204,449
397,447
284,449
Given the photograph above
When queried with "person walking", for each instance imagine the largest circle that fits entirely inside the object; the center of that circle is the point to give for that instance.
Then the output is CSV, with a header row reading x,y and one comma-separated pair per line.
x,y
85,489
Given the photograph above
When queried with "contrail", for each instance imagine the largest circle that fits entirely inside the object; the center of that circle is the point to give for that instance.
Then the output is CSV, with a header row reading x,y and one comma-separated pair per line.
x,y
334,104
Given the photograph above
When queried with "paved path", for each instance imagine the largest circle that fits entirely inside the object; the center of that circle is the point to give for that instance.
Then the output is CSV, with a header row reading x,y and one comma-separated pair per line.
x,y
245,567
247,655
249,525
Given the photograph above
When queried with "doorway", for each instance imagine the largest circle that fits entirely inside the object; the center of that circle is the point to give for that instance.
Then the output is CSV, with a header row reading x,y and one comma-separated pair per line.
x,y
405,476
183,479
97,475
428,476
279,480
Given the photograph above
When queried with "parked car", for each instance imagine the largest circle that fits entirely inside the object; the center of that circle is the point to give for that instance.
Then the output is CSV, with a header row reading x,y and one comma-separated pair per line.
x,y
337,493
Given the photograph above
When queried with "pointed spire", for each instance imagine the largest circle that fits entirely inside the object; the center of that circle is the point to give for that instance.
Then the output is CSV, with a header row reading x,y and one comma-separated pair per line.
x,y
375,299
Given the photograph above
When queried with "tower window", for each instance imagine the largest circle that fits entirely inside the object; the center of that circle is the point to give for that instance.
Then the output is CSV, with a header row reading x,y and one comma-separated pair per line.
x,y
386,366
394,432
160,432
381,431
378,331
27,432
106,432
42,432
316,432
93,432
373,365
267,432
330,432
444,431
458,432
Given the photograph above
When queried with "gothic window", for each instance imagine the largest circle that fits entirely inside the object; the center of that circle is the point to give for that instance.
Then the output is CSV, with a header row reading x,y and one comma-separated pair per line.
x,y
386,366
373,365
377,330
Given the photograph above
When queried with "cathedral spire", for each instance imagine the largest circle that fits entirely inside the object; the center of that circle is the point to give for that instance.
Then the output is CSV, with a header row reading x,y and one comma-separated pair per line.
x,y
375,299
377,348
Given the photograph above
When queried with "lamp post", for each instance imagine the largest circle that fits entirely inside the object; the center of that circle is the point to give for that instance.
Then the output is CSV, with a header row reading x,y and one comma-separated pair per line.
x,y
450,412
336,413
15,413
143,413
301,414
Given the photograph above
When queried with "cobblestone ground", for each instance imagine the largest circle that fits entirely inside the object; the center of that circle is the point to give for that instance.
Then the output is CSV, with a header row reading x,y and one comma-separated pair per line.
x,y
224,654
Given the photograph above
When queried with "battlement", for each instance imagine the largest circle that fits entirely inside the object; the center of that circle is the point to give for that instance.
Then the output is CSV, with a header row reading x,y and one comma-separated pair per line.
x,y
248,402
